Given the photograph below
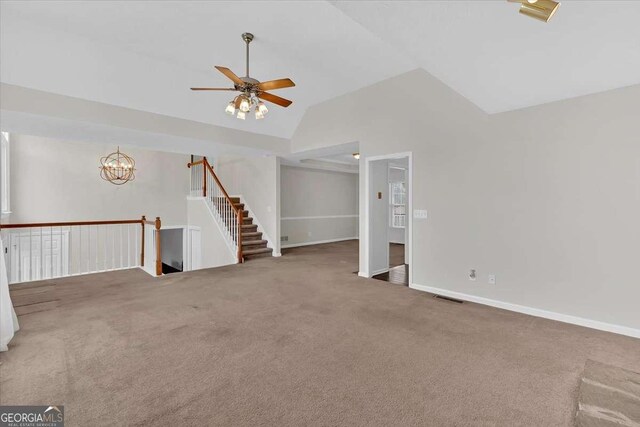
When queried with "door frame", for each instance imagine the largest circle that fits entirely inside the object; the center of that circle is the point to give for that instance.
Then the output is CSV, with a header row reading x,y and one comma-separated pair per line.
x,y
365,223
189,247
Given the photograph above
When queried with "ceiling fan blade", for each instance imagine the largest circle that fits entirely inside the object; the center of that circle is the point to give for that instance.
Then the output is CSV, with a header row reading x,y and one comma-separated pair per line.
x,y
275,99
276,84
212,88
230,74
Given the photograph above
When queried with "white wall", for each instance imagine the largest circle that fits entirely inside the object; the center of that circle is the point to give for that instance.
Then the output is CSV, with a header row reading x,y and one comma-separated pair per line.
x,y
546,198
55,180
215,252
257,180
317,205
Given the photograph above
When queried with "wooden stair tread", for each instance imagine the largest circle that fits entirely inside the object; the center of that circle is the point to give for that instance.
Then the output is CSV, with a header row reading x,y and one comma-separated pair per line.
x,y
253,242
257,251
252,235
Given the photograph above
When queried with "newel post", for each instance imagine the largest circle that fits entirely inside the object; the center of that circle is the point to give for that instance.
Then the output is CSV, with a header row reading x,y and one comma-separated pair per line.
x,y
142,222
204,177
158,250
240,221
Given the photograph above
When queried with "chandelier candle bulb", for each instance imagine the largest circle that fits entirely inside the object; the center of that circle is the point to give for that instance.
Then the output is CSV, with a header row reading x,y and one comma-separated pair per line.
x,y
245,105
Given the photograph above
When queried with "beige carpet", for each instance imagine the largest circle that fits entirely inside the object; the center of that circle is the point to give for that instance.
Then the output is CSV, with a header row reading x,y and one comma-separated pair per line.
x,y
292,341
608,396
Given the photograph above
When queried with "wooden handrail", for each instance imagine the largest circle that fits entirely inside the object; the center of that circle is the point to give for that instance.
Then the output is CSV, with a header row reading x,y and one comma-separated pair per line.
x,y
237,211
142,221
224,192
199,162
69,223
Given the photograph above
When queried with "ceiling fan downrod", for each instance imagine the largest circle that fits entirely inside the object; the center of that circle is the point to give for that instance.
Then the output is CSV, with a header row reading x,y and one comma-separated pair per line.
x,y
247,37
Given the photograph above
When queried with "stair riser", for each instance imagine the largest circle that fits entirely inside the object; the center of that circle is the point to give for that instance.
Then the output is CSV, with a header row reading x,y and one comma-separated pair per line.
x,y
249,247
248,235
264,255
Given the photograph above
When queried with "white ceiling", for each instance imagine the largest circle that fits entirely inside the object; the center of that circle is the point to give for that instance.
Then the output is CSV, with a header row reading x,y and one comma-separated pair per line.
x,y
145,55
501,60
344,158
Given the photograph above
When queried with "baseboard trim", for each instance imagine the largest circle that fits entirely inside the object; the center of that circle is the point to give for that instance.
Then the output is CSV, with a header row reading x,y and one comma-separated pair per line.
x,y
292,218
317,242
566,318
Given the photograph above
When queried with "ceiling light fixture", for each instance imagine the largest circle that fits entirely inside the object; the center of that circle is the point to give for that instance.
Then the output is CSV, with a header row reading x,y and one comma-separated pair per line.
x,y
117,168
252,90
542,10
356,156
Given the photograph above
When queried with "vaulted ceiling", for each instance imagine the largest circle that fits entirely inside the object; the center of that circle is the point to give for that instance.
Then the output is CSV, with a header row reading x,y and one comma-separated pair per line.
x,y
145,55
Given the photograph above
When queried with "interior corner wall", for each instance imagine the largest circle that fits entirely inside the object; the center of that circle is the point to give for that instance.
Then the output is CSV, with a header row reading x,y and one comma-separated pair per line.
x,y
546,198
318,206
256,179
56,180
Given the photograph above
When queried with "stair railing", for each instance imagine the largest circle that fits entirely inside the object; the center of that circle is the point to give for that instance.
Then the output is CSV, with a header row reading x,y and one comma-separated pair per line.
x,y
205,183
46,250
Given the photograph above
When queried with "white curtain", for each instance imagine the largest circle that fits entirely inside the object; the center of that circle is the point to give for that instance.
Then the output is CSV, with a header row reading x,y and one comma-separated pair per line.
x,y
8,318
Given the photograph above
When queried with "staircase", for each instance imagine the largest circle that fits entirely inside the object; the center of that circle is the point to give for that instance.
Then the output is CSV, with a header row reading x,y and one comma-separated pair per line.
x,y
253,245
230,213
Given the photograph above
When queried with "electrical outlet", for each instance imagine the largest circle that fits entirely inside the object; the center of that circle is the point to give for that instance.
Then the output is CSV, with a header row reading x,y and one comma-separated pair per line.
x,y
284,238
492,279
472,275
420,214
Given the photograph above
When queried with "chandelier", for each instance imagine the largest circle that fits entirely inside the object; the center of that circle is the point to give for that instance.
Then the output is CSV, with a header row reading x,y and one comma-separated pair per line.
x,y
243,105
117,168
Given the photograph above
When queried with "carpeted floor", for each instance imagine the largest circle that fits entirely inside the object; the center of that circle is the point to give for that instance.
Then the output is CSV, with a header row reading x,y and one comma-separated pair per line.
x,y
291,341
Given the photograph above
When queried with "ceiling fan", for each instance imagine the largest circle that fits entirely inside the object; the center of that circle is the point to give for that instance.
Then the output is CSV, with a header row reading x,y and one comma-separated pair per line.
x,y
253,92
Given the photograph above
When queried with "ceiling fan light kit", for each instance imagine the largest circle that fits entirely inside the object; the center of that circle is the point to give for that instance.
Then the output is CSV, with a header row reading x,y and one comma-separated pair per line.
x,y
253,92
542,10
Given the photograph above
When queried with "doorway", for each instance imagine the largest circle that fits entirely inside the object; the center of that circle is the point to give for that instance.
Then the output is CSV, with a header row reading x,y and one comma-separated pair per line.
x,y
387,245
172,249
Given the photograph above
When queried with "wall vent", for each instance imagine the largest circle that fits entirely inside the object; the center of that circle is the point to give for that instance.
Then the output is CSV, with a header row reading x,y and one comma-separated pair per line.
x,y
284,238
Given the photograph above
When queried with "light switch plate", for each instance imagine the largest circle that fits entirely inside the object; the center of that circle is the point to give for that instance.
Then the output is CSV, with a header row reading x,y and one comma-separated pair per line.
x,y
420,214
